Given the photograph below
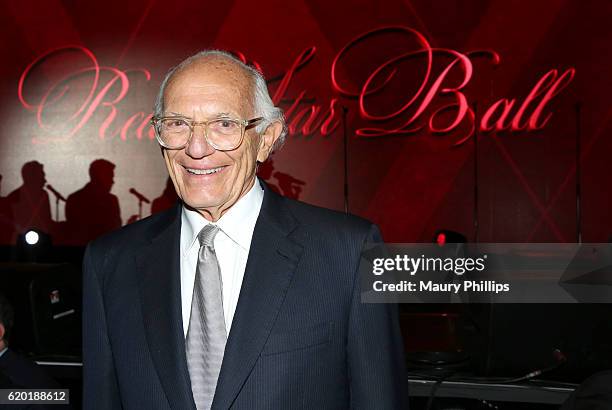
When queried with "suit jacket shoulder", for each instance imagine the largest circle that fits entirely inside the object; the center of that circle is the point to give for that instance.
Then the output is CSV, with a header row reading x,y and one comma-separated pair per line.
x,y
331,225
105,255
130,237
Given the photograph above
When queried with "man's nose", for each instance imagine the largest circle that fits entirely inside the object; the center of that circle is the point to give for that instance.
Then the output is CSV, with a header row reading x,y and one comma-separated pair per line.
x,y
198,147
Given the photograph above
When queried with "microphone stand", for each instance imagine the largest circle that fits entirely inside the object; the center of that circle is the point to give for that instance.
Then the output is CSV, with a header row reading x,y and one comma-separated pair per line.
x,y
578,175
345,152
140,201
57,201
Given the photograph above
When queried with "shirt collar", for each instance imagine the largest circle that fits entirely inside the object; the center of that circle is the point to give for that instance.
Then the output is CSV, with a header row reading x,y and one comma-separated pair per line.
x,y
3,351
238,223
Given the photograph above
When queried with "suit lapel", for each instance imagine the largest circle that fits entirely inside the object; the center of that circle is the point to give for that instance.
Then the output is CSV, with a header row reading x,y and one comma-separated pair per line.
x,y
272,260
159,281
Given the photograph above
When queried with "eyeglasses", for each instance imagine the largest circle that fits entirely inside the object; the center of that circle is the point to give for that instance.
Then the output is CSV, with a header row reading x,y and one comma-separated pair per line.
x,y
223,134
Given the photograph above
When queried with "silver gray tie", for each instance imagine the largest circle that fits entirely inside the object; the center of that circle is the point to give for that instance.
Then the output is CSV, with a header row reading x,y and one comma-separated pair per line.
x,y
206,336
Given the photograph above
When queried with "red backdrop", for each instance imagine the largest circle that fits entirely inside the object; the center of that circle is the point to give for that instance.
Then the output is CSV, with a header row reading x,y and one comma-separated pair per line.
x,y
410,183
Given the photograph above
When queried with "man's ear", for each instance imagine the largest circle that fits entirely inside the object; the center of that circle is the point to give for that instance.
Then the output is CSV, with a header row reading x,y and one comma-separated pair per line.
x,y
2,331
267,140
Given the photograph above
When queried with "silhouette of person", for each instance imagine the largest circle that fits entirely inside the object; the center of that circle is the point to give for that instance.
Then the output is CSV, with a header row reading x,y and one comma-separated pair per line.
x,y
291,187
265,171
93,210
287,185
6,224
29,204
166,200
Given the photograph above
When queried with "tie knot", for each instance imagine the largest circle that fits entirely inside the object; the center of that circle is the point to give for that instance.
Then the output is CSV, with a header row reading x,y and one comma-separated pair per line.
x,y
207,235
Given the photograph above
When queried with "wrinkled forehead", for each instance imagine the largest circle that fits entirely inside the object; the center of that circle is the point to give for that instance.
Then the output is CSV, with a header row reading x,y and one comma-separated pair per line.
x,y
210,74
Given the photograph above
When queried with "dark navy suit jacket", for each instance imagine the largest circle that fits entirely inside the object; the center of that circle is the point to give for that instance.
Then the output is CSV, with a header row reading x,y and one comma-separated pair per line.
x,y
300,338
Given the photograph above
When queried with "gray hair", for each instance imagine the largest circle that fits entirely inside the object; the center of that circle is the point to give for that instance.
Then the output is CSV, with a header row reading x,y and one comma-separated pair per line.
x,y
262,102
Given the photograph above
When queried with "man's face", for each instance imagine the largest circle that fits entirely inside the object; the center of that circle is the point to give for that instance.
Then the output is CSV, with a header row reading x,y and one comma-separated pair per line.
x,y
207,89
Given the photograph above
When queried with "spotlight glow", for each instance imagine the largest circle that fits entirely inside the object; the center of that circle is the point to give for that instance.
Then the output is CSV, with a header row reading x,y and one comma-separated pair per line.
x,y
441,239
31,238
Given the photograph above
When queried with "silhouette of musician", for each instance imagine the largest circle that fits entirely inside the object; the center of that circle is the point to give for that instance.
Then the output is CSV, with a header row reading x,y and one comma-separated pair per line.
x,y
93,210
6,223
166,200
29,204
265,171
287,185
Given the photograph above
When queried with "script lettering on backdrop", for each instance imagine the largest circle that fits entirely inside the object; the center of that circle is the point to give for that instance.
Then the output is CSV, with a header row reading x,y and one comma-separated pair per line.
x,y
98,94
528,115
106,88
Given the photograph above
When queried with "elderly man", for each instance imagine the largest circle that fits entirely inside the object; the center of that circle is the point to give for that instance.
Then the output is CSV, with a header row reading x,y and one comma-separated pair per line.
x,y
237,298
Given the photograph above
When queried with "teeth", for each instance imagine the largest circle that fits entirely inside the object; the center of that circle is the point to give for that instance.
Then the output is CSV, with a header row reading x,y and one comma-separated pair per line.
x,y
203,171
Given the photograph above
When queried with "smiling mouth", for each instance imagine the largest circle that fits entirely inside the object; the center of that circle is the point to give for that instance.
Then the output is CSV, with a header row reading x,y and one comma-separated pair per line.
x,y
209,171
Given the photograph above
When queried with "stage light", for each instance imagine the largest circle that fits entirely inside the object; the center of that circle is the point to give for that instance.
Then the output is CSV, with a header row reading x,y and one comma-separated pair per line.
x,y
443,237
34,246
451,243
32,237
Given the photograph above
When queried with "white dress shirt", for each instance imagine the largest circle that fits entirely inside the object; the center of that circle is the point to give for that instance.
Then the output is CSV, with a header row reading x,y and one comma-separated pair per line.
x,y
232,244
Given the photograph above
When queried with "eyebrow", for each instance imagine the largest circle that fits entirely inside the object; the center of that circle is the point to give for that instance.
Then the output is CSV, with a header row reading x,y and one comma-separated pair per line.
x,y
217,115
